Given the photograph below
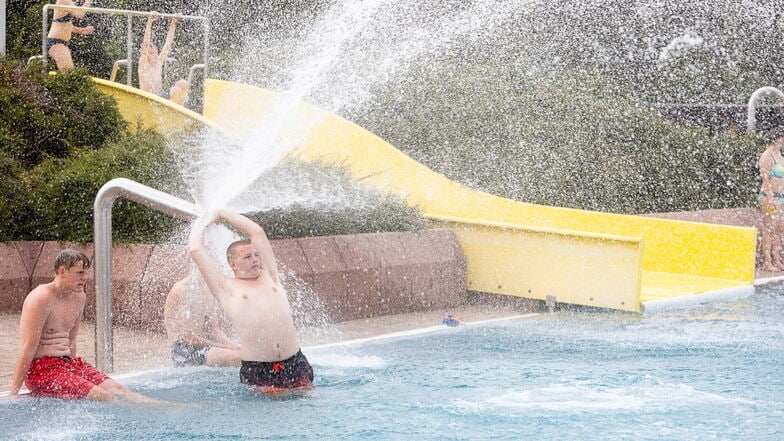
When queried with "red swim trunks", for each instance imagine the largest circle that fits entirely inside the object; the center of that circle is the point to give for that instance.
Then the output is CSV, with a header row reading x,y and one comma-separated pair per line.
x,y
62,377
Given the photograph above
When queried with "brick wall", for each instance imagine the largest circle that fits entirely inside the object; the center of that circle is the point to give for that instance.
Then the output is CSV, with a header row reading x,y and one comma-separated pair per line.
x,y
355,276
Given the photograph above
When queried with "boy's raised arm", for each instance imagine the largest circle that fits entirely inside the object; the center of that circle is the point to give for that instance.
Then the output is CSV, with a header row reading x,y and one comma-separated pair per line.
x,y
31,325
210,271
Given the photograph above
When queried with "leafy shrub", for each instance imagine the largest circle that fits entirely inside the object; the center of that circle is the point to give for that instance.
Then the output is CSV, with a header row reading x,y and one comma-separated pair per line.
x,y
301,199
52,116
12,191
562,141
63,190
324,200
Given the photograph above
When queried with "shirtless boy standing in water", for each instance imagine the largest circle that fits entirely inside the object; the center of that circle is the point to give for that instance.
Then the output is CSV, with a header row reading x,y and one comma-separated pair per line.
x,y
50,320
193,324
256,303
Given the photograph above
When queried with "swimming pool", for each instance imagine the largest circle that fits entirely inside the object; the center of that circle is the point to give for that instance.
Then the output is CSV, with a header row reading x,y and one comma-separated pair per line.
x,y
714,372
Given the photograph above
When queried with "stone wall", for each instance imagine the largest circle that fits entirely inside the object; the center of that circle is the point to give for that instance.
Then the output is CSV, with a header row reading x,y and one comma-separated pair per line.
x,y
355,276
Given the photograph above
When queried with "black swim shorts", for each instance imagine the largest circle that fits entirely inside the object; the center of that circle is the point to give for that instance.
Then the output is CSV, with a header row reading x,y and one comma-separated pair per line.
x,y
183,354
53,41
289,373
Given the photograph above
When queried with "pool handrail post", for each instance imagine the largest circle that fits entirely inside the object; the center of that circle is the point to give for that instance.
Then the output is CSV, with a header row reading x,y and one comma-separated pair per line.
x,y
751,118
102,239
129,29
129,51
2,28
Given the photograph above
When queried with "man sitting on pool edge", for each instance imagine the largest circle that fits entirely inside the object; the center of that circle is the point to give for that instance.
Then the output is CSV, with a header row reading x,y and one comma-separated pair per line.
x,y
47,362
192,318
256,303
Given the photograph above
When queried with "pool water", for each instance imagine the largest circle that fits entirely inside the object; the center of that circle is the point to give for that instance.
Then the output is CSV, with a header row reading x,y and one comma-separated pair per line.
x,y
715,372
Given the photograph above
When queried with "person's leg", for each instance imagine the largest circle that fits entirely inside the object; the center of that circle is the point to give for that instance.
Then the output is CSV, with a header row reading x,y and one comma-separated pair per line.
x,y
62,56
117,390
97,393
766,243
223,357
776,248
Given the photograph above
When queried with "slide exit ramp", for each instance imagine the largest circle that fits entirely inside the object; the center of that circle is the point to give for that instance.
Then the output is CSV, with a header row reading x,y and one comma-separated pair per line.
x,y
604,260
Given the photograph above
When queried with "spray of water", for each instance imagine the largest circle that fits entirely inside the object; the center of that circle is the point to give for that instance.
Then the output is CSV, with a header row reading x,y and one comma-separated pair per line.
x,y
345,54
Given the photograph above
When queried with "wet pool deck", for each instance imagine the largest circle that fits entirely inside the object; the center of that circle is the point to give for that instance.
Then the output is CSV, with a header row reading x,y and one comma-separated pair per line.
x,y
137,351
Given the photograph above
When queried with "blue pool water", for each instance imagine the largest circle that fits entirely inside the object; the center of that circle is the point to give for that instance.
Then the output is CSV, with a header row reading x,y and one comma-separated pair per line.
x,y
716,372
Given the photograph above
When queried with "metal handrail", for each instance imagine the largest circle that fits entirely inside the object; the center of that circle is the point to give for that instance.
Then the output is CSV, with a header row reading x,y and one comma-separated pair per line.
x,y
751,119
102,238
116,68
192,70
129,36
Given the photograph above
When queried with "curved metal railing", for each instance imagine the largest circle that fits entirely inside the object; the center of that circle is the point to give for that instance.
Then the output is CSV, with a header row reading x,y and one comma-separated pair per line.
x,y
751,118
102,237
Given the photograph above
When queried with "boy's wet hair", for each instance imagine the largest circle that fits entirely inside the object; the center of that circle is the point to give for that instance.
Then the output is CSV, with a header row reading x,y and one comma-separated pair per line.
x,y
69,258
230,249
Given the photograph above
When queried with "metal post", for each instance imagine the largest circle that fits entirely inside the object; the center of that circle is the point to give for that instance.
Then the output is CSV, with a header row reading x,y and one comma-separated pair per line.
x,y
751,119
206,61
102,223
116,69
44,25
2,28
129,51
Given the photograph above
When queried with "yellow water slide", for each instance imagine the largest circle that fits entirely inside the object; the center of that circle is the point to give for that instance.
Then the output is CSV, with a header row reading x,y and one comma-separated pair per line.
x,y
573,256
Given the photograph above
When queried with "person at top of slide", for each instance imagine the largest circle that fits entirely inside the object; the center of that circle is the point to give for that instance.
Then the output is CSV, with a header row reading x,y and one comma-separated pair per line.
x,y
150,60
60,33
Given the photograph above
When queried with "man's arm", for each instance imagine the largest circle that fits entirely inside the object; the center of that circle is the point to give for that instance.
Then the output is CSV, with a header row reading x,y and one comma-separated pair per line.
x,y
34,314
210,271
147,39
73,333
176,326
258,238
87,30
171,307
221,340
167,45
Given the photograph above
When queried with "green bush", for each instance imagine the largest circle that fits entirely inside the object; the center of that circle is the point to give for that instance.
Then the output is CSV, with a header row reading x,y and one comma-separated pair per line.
x,y
326,201
23,26
62,192
562,141
52,116
301,199
12,191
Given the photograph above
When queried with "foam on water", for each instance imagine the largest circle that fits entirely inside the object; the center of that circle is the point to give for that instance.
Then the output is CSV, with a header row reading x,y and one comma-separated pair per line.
x,y
346,361
596,398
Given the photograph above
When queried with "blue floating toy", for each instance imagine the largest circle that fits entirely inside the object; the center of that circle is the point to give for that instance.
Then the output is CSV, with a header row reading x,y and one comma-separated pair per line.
x,y
452,321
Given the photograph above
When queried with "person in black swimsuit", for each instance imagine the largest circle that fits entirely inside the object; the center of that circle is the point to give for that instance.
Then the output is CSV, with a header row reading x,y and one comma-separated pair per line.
x,y
61,30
